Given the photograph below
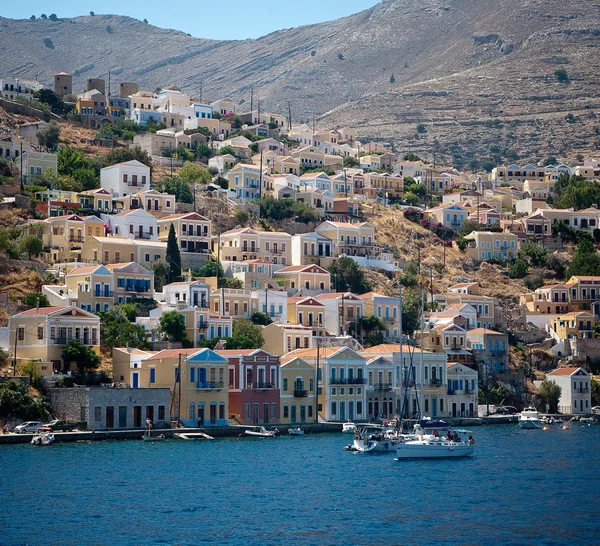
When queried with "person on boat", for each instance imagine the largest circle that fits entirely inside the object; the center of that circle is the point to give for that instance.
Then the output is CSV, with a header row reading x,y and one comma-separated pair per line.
x,y
471,441
436,433
449,436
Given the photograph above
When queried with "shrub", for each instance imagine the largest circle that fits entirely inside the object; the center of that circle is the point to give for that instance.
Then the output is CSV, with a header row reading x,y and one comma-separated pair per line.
x,y
53,17
518,269
421,128
48,43
561,75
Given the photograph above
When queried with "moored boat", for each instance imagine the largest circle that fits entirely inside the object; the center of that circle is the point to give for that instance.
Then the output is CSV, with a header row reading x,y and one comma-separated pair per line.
x,y
43,439
454,444
262,432
374,439
297,431
530,419
348,428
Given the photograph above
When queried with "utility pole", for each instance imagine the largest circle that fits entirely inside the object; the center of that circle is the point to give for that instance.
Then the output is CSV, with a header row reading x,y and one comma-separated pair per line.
x,y
109,83
179,391
258,109
431,286
252,101
289,115
201,90
317,383
418,260
21,157
345,183
260,179
15,354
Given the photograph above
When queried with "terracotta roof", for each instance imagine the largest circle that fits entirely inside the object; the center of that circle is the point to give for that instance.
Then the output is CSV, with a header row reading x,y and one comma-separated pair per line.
x,y
236,352
83,270
136,351
174,353
332,295
42,311
390,348
564,371
484,331
184,215
324,352
112,267
293,268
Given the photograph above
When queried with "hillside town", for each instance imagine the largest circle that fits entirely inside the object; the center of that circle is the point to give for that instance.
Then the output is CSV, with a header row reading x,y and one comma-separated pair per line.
x,y
210,263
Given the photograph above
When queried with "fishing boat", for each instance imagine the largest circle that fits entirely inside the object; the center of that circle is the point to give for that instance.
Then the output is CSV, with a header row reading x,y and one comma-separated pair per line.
x,y
44,439
297,431
530,418
427,446
262,432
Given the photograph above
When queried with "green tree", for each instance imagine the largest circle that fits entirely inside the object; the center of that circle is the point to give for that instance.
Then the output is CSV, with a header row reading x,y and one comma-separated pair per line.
x,y
369,325
43,16
120,155
595,392
411,311
82,356
561,75
172,324
351,162
161,271
210,269
16,403
392,79
30,369
173,256
518,269
421,128
226,150
586,260
49,136
576,192
177,187
33,298
203,150
550,392
346,275
53,17
192,173
537,256
244,328
48,43
262,319
32,245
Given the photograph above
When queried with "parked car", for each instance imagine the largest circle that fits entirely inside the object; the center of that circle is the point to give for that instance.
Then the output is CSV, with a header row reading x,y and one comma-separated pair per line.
x,y
506,410
29,426
596,410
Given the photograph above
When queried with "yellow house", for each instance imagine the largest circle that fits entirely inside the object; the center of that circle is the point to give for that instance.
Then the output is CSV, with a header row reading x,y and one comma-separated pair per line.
x,y
351,239
239,244
305,277
129,367
583,292
275,246
298,394
485,245
233,302
64,236
283,338
575,325
41,334
116,249
309,312
204,388
386,308
99,200
194,232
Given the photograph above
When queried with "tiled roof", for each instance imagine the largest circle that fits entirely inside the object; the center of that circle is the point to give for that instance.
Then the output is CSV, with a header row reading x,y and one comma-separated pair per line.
x,y
564,371
174,353
484,331
324,352
390,348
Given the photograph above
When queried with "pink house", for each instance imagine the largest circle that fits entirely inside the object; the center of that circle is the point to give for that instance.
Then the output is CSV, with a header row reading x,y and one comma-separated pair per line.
x,y
253,386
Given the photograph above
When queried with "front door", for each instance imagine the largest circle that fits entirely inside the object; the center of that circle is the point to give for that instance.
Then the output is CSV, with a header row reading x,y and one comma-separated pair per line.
x,y
213,414
471,409
110,417
137,416
303,413
122,416
135,380
342,411
453,409
265,413
462,409
293,413
200,415
141,231
434,407
201,377
351,410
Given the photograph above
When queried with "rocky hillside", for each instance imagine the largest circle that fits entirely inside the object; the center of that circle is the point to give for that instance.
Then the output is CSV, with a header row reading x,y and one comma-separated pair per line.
x,y
474,70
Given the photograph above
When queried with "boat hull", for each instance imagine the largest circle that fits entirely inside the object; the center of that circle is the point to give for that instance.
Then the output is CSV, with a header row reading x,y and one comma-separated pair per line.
x,y
530,424
374,446
442,451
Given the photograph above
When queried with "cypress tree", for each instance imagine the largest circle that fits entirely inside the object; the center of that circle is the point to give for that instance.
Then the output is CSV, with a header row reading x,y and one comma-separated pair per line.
x,y
173,257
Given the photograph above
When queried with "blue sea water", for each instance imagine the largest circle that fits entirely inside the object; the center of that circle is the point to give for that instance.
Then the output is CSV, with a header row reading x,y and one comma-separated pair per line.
x,y
522,487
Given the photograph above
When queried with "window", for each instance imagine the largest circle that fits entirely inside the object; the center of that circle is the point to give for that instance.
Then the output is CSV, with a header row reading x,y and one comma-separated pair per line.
x,y
333,408
21,333
285,384
285,411
192,375
359,409
152,375
97,413
147,257
274,410
247,411
40,332
161,413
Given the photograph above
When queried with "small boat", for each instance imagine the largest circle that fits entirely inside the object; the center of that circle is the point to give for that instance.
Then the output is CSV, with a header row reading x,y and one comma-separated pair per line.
x,y
297,431
530,419
193,436
44,439
147,437
348,428
454,444
375,439
262,432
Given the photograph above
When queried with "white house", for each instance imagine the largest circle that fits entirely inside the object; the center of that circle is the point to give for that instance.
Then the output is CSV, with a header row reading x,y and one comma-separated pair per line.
x,y
125,178
133,224
462,390
245,181
194,293
575,396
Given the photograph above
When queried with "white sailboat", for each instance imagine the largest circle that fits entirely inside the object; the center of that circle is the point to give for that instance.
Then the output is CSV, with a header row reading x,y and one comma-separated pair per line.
x,y
428,446
262,432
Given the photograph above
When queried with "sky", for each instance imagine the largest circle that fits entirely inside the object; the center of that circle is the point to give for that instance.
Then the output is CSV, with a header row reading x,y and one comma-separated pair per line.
x,y
238,20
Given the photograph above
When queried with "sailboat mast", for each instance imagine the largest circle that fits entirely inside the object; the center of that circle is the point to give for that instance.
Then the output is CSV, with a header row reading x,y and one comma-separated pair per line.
x,y
179,391
400,332
422,342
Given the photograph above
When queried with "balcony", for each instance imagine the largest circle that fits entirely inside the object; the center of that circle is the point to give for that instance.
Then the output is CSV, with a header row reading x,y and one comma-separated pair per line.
x,y
383,387
196,250
76,238
64,341
264,386
435,382
137,289
347,381
202,325
300,393
466,390
144,235
210,385
581,391
104,294
136,184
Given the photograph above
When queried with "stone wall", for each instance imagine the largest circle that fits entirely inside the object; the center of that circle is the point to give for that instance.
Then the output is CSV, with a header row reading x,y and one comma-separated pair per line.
x,y
94,403
22,109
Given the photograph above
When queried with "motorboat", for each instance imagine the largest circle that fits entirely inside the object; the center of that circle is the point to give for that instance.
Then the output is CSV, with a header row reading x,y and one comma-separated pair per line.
x,y
348,428
297,431
148,437
434,424
262,432
374,439
43,439
530,418
428,446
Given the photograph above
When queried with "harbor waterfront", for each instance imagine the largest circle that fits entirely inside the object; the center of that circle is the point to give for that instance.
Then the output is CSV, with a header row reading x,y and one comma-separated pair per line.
x,y
303,490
